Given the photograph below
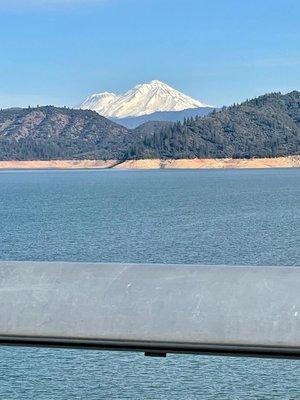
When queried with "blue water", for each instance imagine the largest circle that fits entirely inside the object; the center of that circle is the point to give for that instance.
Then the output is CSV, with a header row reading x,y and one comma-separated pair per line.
x,y
212,217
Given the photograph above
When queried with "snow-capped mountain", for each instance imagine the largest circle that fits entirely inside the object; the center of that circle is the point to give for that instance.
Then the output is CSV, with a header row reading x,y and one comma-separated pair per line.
x,y
143,99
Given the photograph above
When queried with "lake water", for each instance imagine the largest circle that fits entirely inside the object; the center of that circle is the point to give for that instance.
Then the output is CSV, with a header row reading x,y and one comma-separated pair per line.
x,y
210,217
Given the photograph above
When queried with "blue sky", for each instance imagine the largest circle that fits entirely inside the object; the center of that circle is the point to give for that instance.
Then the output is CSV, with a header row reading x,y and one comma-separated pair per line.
x,y
223,51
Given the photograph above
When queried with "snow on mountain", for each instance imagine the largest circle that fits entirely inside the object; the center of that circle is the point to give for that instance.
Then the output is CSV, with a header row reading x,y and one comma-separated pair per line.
x,y
143,99
103,99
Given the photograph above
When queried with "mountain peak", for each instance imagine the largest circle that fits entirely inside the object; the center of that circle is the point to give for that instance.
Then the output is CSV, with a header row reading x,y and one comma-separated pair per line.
x,y
156,82
143,99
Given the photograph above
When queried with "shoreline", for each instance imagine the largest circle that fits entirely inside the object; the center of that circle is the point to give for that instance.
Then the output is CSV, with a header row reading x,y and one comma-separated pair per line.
x,y
209,163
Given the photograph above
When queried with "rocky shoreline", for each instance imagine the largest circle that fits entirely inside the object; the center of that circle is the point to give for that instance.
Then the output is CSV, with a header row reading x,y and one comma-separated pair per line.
x,y
222,163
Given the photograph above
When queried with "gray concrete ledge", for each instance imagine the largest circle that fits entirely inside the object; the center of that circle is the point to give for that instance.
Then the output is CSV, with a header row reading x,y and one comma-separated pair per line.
x,y
219,310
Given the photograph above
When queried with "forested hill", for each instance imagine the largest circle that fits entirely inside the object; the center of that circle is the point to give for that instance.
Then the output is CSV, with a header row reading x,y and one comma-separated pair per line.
x,y
268,126
60,133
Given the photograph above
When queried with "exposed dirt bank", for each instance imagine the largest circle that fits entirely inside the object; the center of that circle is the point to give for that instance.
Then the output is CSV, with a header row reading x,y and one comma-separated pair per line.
x,y
57,164
280,162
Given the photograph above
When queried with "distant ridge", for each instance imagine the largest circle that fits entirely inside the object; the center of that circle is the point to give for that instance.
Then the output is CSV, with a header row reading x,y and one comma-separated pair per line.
x,y
144,99
170,116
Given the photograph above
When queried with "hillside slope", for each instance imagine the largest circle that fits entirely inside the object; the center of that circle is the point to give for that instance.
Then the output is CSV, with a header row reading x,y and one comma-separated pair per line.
x,y
268,126
56,133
